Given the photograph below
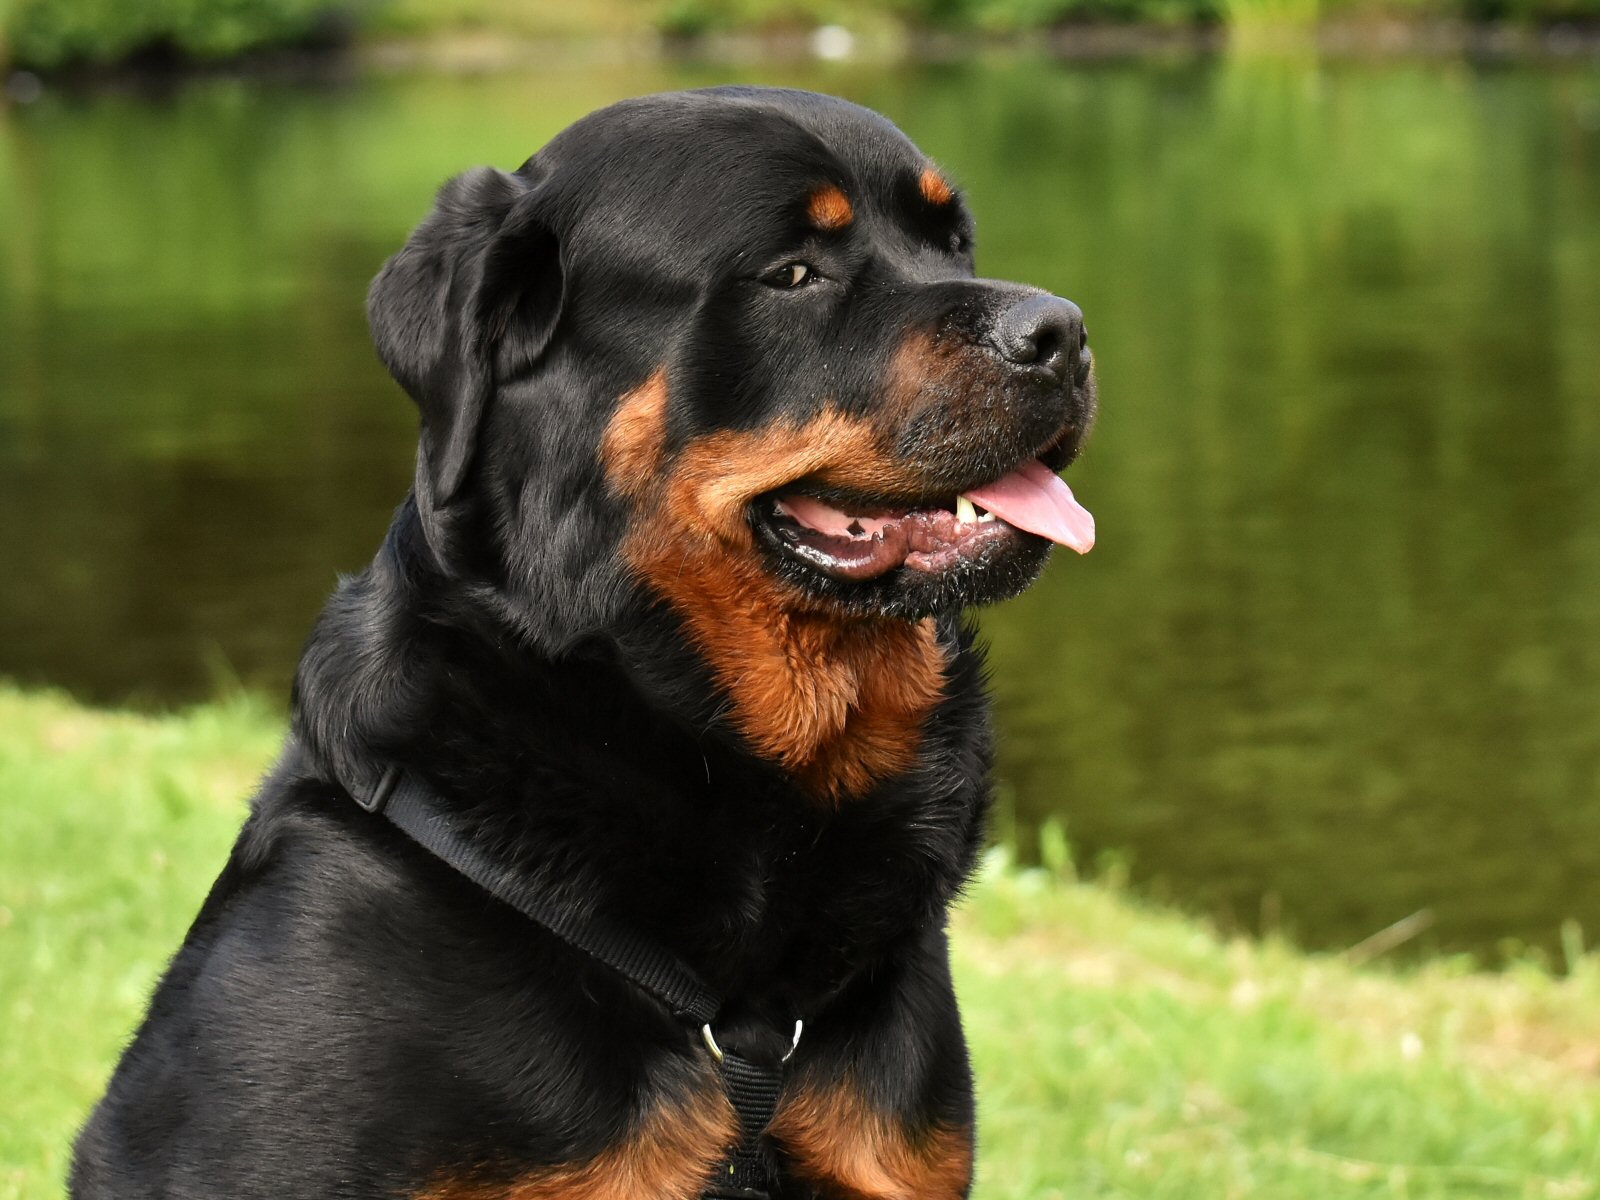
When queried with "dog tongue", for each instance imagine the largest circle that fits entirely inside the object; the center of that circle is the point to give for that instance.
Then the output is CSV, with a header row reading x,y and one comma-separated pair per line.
x,y
1035,498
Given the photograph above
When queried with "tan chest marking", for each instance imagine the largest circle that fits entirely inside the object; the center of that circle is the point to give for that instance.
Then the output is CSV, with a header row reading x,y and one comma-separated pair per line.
x,y
838,1144
668,1156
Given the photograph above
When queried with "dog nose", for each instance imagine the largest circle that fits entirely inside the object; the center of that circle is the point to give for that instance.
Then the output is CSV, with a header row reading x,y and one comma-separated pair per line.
x,y
1045,333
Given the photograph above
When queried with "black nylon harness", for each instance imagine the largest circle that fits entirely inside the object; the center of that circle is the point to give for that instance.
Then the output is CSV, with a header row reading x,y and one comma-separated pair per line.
x,y
751,1087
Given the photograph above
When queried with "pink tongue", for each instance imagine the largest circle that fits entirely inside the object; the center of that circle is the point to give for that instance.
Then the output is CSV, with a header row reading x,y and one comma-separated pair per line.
x,y
1035,498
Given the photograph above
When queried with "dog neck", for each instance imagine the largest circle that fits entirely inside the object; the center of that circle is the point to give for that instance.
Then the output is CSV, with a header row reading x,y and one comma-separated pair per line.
x,y
602,772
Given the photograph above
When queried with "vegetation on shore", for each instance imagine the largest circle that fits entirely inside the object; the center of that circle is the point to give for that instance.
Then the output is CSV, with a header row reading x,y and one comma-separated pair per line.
x,y
50,34
56,33
1121,1050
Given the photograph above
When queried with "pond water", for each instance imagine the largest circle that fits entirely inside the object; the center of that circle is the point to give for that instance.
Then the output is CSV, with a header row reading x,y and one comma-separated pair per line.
x,y
1337,656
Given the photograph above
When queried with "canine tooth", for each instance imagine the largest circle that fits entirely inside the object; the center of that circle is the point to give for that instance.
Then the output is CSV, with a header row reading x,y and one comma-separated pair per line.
x,y
965,511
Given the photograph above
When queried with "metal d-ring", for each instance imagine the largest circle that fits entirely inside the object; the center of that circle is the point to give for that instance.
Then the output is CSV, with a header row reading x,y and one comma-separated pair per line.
x,y
799,1027
710,1039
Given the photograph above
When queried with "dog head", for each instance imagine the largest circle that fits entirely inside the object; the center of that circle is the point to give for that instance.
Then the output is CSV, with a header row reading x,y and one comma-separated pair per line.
x,y
724,352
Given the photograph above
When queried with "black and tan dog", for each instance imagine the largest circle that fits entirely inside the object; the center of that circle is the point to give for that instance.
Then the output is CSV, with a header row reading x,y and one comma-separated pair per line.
x,y
720,435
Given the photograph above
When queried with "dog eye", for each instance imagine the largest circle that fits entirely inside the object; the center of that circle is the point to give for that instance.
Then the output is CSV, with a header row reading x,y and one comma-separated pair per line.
x,y
791,275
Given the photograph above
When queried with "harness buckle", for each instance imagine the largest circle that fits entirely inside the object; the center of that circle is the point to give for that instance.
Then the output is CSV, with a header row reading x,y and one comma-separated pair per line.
x,y
375,800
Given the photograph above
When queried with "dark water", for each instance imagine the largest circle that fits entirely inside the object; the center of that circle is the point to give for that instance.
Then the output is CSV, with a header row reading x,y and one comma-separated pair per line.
x,y
1337,656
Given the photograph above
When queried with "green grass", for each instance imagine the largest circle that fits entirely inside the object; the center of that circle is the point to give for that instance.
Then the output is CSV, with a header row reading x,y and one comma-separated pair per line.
x,y
1122,1051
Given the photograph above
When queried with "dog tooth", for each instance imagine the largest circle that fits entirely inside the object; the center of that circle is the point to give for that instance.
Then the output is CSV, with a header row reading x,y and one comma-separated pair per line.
x,y
965,511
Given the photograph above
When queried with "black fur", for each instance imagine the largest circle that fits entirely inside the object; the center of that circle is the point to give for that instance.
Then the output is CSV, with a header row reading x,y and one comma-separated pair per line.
x,y
348,1017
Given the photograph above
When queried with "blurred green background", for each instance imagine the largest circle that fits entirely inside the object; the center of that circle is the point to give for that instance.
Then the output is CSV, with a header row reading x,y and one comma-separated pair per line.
x,y
52,33
1337,656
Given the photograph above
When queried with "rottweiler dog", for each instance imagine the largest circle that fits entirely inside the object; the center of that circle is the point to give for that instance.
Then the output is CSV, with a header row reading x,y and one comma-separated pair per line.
x,y
720,437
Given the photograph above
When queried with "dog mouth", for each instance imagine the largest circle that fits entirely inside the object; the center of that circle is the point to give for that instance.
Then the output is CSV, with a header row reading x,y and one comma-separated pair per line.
x,y
862,539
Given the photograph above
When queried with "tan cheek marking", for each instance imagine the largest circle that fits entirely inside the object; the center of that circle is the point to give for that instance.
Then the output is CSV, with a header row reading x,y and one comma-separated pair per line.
x,y
670,1155
631,450
839,703
835,1141
933,187
718,475
829,208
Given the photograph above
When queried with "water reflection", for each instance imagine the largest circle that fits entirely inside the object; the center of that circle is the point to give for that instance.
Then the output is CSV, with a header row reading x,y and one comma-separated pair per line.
x,y
1340,642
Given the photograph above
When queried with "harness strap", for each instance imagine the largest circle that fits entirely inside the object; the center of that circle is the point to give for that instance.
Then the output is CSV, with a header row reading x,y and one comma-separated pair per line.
x,y
410,805
752,1088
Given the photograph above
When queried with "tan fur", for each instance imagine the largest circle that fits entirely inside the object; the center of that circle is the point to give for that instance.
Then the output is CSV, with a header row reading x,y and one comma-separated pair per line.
x,y
829,208
837,701
669,1156
632,448
933,187
838,1143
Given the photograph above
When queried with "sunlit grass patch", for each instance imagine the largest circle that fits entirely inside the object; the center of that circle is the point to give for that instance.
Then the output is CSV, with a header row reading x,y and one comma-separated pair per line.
x,y
1127,1051
1121,1050
114,825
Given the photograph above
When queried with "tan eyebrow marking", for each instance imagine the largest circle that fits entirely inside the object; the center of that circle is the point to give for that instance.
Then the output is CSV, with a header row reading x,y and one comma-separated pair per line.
x,y
829,208
933,187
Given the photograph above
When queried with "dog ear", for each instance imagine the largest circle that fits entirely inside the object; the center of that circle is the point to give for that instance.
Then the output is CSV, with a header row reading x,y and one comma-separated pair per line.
x,y
471,298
